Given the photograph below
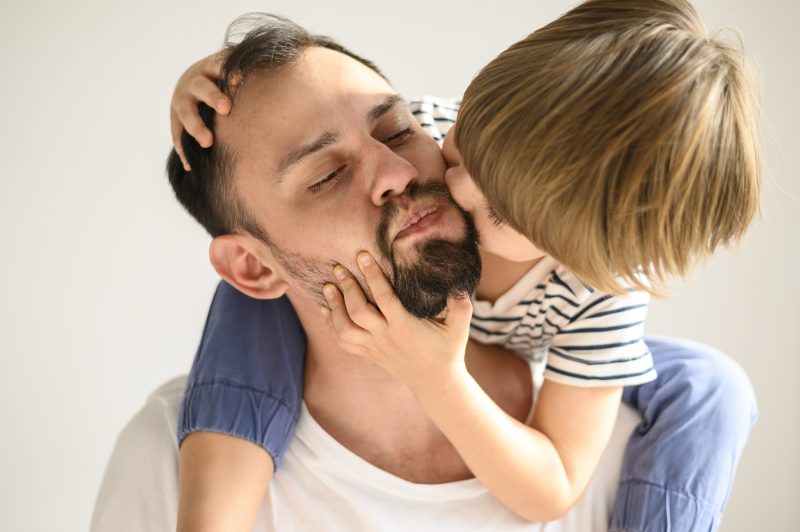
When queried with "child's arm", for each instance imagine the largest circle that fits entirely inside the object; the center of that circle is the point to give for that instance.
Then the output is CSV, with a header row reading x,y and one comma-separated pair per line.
x,y
538,472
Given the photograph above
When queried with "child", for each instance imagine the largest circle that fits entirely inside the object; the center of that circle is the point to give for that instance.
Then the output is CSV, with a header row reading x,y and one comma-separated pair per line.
x,y
610,150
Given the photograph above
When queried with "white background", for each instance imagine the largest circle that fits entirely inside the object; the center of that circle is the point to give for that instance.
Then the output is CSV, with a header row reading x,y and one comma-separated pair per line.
x,y
106,281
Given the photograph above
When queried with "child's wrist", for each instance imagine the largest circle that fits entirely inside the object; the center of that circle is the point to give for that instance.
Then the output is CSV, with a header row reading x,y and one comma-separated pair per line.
x,y
434,386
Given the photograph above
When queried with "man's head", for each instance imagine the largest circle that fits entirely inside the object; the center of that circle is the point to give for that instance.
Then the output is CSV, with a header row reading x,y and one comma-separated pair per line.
x,y
319,159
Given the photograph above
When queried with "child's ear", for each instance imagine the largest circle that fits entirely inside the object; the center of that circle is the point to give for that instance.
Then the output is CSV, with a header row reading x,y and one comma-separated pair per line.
x,y
238,260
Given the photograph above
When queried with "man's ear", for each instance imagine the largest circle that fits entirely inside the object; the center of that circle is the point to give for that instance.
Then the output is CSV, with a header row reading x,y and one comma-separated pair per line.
x,y
238,260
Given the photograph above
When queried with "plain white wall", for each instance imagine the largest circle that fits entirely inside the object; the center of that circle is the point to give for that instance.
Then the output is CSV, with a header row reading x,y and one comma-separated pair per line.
x,y
106,279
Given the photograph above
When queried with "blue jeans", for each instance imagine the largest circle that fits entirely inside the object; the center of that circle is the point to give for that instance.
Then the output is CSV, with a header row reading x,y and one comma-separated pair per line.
x,y
679,465
678,469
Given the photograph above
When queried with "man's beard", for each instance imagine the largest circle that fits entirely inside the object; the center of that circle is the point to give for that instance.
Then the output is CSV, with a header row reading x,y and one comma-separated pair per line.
x,y
441,269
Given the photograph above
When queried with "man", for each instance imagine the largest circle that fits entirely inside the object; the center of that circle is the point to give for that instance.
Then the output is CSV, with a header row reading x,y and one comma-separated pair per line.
x,y
319,159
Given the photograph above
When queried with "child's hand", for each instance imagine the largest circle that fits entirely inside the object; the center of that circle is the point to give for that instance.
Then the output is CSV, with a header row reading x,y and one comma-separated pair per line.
x,y
197,84
420,352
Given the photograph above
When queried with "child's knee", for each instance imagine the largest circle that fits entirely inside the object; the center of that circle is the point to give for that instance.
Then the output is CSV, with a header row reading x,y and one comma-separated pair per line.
x,y
706,383
733,396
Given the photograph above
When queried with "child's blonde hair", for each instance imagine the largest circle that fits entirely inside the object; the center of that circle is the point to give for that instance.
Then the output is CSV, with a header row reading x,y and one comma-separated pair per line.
x,y
620,139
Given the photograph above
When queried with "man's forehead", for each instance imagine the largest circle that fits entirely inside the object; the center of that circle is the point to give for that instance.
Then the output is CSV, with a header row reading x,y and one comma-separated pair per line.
x,y
324,90
319,76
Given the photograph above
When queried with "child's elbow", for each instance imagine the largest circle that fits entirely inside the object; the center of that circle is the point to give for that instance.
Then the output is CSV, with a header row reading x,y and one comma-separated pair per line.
x,y
551,507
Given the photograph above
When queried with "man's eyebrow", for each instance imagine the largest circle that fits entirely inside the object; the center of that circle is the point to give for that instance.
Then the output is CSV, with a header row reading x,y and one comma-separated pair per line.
x,y
384,107
332,137
298,154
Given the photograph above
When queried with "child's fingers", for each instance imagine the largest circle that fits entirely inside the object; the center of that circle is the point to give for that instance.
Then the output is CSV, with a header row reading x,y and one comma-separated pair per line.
x,y
206,91
176,128
459,310
189,118
212,65
346,331
197,84
355,349
379,286
360,311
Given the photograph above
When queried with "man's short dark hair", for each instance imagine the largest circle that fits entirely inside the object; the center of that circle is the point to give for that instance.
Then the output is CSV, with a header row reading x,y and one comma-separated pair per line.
x,y
257,42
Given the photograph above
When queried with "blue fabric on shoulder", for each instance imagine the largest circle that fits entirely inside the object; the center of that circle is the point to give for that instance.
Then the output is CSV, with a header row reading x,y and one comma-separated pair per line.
x,y
247,376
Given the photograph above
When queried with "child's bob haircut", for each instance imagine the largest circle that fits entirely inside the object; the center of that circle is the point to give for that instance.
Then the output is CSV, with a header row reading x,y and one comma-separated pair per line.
x,y
620,139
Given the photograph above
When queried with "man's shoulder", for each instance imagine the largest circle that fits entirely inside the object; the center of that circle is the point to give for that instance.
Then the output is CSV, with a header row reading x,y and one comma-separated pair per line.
x,y
140,486
152,432
164,402
169,392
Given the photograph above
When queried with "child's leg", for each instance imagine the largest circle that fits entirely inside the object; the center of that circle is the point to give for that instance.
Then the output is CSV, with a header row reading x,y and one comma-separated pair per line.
x,y
680,462
239,410
247,376
223,482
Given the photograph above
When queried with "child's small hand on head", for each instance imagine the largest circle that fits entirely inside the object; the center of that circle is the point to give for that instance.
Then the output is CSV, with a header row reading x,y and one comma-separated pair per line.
x,y
197,84
420,352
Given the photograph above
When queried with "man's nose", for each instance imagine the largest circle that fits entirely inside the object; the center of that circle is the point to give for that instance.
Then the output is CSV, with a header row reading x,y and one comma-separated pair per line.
x,y
393,173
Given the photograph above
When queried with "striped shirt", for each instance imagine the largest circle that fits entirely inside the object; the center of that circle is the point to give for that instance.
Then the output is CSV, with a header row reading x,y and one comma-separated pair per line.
x,y
435,115
579,336
573,334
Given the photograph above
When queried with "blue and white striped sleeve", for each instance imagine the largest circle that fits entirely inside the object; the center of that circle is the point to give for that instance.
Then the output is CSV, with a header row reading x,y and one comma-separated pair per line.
x,y
602,344
435,115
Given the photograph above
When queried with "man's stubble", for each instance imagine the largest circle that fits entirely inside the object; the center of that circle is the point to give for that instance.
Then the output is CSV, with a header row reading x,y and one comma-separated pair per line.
x,y
441,269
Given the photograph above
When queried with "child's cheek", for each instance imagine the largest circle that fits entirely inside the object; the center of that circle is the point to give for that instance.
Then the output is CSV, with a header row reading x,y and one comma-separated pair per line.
x,y
462,189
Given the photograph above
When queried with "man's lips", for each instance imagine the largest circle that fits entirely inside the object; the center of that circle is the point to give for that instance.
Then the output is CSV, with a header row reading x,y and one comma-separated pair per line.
x,y
418,221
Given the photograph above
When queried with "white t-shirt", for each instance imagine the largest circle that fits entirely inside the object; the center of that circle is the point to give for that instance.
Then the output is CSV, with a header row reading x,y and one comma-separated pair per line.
x,y
322,486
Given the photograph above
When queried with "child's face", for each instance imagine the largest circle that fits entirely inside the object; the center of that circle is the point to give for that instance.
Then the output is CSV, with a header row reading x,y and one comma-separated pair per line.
x,y
496,236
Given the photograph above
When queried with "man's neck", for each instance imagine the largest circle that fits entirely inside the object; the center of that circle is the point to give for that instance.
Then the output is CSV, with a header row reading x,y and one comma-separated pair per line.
x,y
378,418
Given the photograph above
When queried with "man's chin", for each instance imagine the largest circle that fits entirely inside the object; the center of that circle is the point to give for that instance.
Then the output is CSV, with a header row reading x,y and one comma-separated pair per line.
x,y
451,228
436,259
438,269
409,254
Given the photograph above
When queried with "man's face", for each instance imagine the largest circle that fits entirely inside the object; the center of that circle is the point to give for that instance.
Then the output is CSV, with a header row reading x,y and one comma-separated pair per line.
x,y
330,162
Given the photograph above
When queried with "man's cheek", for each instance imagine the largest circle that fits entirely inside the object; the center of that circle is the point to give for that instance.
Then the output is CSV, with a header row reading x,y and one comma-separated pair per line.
x,y
426,157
